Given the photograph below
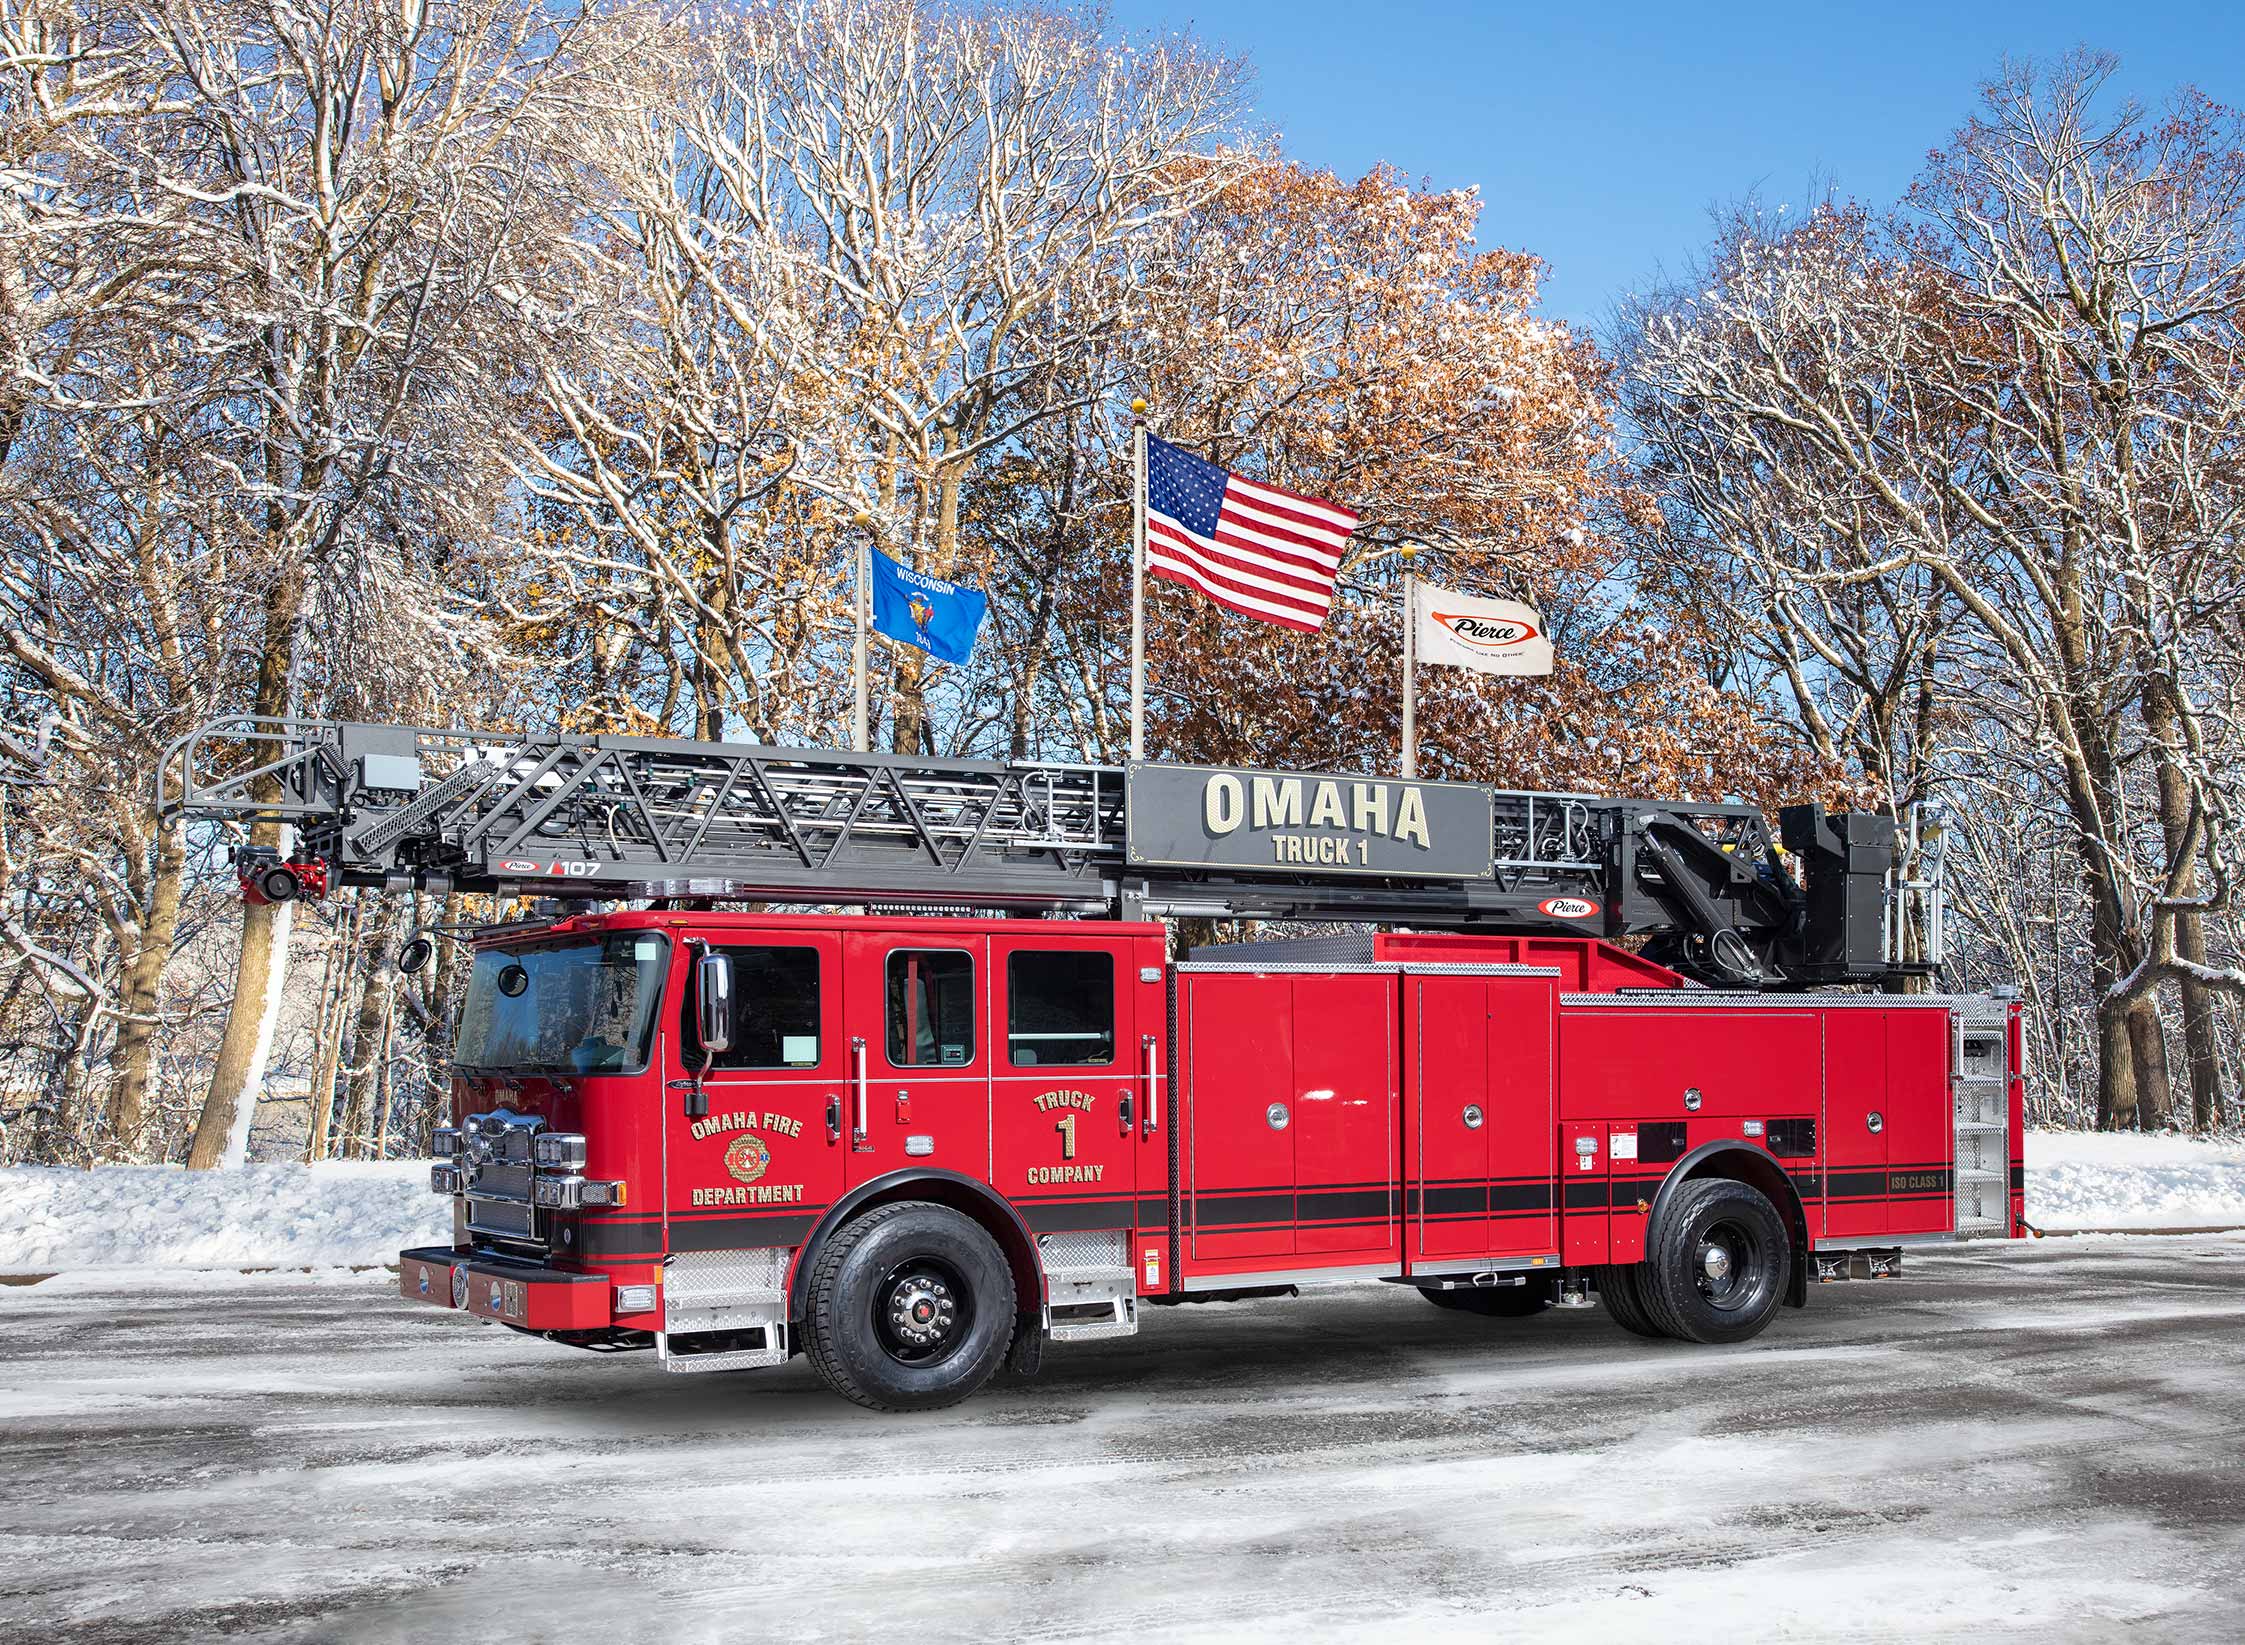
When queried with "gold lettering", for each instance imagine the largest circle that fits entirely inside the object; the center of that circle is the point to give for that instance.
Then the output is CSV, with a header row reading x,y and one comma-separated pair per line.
x,y
1278,802
1411,818
1222,804
1040,1175
1371,807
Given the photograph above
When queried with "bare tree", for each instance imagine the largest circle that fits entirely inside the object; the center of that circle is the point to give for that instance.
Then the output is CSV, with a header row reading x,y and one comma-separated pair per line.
x,y
2025,388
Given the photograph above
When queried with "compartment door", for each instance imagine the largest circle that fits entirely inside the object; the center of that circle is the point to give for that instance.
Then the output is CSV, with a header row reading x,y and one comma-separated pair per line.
x,y
1345,1146
1447,1046
1237,1031
1479,1051
1856,1120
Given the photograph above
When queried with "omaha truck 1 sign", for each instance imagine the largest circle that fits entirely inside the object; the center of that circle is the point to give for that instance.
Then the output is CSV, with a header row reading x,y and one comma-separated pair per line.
x,y
1193,816
995,1112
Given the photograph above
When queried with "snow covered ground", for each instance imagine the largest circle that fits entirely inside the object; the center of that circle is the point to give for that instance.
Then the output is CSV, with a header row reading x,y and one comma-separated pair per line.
x,y
256,1216
2099,1180
2032,1442
298,1216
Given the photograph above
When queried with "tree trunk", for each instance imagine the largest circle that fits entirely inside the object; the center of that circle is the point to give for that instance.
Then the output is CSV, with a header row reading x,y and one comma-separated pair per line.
x,y
2116,1077
367,1039
133,1059
2147,1043
327,1050
2201,1039
261,977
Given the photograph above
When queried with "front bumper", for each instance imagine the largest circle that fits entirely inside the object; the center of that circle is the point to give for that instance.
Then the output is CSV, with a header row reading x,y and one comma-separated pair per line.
x,y
513,1293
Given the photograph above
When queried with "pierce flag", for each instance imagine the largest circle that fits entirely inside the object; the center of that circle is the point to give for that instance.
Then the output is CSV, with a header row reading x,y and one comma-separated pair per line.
x,y
939,617
1493,636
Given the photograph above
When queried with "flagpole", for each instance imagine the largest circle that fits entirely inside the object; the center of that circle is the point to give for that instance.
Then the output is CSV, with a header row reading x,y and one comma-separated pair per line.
x,y
1410,552
1138,580
860,732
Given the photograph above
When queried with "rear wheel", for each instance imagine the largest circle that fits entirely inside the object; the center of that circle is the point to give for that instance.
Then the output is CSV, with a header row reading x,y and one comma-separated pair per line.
x,y
911,1308
1618,1290
1718,1263
1523,1301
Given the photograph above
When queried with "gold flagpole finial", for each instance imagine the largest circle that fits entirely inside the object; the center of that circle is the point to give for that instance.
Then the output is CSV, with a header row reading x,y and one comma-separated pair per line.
x,y
1138,408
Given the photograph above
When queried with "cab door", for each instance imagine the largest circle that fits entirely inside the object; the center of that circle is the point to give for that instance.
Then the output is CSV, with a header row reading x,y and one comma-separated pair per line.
x,y
1065,1087
767,1155
920,1051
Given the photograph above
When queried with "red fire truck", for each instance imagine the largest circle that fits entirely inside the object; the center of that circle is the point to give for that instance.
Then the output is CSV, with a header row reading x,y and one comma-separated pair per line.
x,y
1630,1051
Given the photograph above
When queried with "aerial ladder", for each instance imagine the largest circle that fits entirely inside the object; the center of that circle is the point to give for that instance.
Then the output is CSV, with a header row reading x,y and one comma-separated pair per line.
x,y
1706,887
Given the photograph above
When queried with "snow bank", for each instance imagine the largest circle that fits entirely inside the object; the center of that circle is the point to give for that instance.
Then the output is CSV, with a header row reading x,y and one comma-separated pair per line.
x,y
251,1216
291,1216
2087,1179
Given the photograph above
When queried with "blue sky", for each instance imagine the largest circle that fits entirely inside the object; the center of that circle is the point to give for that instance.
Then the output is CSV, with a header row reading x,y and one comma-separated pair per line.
x,y
1599,136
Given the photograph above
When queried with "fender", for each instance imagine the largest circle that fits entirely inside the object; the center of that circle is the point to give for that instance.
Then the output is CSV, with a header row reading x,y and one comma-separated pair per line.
x,y
1758,1166
953,1188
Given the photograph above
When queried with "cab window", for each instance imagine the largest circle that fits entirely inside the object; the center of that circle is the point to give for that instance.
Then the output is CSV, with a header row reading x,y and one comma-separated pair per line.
x,y
1060,1008
930,1008
775,1010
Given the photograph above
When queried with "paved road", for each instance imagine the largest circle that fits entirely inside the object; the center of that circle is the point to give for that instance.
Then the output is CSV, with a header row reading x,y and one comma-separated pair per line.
x,y
2043,1443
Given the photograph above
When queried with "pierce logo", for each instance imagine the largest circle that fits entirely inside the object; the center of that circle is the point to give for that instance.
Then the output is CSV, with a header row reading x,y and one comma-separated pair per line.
x,y
1487,633
746,1157
1567,908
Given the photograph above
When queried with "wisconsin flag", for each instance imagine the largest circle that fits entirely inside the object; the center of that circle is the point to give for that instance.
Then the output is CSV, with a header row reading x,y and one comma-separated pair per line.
x,y
940,618
1494,636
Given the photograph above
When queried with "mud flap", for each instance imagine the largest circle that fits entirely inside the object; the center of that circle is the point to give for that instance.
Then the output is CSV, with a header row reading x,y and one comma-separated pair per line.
x,y
1026,1356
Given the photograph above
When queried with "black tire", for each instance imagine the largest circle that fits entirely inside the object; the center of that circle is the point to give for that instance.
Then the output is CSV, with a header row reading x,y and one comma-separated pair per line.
x,y
1617,1289
1717,1265
911,1308
1522,1301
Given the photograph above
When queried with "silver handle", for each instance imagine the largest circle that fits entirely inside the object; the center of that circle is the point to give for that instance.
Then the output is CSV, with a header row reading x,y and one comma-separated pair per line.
x,y
1153,1083
857,1060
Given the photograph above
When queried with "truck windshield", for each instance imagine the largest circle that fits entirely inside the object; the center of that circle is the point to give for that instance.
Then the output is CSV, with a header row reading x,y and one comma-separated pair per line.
x,y
581,1007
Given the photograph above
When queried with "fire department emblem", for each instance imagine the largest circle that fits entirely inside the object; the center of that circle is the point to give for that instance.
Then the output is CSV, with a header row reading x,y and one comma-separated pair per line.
x,y
746,1157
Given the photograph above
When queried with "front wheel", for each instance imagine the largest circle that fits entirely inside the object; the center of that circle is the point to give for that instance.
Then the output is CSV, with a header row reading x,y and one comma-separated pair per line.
x,y
911,1308
1718,1265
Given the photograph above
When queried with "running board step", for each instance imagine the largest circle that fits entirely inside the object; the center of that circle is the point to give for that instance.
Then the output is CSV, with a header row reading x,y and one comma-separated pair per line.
x,y
774,1350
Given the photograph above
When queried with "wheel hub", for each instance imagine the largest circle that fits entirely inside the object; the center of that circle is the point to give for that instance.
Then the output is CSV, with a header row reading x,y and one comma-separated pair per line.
x,y
1715,1262
921,1311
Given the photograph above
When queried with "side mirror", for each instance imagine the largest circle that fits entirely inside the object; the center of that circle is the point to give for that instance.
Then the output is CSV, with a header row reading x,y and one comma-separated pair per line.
x,y
513,979
416,954
713,1002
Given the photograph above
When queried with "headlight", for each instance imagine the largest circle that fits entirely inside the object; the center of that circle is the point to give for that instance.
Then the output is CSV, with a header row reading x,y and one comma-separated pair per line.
x,y
557,1193
568,1193
444,1142
559,1150
444,1179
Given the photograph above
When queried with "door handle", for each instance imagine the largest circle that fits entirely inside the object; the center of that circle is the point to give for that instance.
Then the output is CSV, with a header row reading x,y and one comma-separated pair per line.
x,y
1277,1116
833,1117
859,1123
1146,1055
1124,1112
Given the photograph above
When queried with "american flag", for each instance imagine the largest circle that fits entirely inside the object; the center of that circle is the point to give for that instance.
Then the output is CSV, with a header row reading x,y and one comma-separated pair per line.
x,y
1250,547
